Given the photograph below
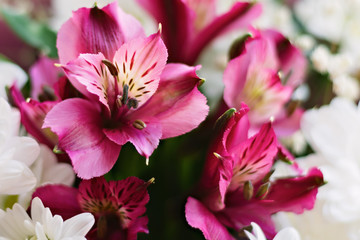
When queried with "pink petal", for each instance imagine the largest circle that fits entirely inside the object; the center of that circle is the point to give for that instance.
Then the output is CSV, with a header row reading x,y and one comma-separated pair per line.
x,y
237,129
198,216
292,61
176,24
132,195
255,157
295,194
78,124
93,30
235,76
239,213
139,225
43,73
125,198
176,98
144,140
218,171
140,63
61,199
285,125
86,74
33,115
239,16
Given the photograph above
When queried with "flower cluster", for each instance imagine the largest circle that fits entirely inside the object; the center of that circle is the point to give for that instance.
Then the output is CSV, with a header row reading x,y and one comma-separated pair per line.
x,y
109,129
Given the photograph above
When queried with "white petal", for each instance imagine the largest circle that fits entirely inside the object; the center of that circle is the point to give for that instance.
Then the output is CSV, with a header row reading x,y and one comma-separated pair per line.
x,y
40,232
258,233
10,74
78,225
15,178
12,223
25,149
287,234
60,173
37,210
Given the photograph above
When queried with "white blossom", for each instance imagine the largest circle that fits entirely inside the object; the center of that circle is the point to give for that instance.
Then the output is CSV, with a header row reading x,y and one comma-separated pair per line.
x,y
16,224
334,133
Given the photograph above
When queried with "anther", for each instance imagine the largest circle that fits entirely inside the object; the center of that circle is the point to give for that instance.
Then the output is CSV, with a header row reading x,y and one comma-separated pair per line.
x,y
118,101
138,124
263,191
111,67
132,103
248,190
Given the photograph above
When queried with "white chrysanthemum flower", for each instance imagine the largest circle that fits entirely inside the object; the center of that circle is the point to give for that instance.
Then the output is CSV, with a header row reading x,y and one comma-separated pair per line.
x,y
16,224
10,74
285,234
16,153
334,133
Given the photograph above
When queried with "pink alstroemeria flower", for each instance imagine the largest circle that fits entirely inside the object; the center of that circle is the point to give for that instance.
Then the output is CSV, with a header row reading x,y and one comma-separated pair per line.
x,y
133,97
118,206
252,77
235,189
190,25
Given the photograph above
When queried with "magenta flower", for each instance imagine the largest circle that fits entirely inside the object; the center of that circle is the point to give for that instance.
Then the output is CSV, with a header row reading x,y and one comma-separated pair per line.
x,y
118,206
235,189
132,97
253,78
189,26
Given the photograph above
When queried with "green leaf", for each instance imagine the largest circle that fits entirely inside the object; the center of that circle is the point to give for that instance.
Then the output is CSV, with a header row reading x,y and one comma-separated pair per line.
x,y
34,33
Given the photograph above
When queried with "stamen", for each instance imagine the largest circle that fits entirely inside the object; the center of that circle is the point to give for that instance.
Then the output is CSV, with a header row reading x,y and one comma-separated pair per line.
x,y
125,94
111,67
267,176
138,124
147,161
263,191
119,101
132,103
248,190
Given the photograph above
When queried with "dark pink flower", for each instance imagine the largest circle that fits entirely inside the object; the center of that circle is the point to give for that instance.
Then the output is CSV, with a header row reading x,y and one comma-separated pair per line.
x,y
134,97
189,26
235,189
253,77
118,206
